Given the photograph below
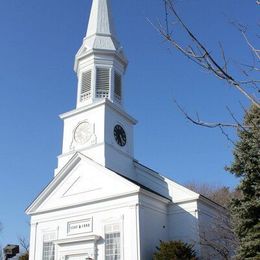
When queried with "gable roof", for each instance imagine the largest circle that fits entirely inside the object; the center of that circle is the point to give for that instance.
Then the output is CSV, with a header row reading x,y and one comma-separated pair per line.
x,y
143,186
73,162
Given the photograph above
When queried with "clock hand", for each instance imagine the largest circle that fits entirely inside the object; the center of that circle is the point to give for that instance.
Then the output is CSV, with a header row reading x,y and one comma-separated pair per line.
x,y
120,137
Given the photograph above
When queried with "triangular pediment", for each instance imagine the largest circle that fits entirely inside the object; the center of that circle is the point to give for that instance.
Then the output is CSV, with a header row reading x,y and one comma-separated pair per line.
x,y
82,185
81,181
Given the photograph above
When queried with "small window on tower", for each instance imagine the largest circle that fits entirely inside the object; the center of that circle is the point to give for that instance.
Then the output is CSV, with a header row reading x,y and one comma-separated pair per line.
x,y
102,83
85,86
118,87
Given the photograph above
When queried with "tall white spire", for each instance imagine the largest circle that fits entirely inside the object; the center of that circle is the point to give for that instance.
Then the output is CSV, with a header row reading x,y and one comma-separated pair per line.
x,y
100,20
100,62
100,32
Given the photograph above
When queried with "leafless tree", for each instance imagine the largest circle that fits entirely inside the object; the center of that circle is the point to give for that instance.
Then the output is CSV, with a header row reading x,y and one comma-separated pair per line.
x,y
218,235
219,194
217,239
197,52
24,244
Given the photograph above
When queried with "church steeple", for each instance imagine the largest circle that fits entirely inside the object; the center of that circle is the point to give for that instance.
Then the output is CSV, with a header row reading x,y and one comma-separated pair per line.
x,y
100,20
99,127
100,62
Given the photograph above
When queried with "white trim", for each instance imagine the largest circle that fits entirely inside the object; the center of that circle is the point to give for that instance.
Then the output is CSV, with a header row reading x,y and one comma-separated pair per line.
x,y
137,219
64,172
115,221
89,212
76,240
69,166
126,154
192,199
211,203
97,104
108,53
122,195
158,197
148,170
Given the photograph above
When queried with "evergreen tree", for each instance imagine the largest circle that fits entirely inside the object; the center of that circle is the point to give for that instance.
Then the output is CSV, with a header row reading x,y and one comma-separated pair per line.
x,y
246,166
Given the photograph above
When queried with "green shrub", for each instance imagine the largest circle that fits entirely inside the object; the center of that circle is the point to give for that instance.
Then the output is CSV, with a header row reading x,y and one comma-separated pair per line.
x,y
175,250
24,257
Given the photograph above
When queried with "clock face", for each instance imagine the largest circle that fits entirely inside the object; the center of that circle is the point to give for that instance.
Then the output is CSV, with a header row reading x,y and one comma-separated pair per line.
x,y
120,135
82,133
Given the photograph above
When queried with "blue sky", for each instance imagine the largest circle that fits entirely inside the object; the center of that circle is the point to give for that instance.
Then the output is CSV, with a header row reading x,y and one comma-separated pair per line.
x,y
39,39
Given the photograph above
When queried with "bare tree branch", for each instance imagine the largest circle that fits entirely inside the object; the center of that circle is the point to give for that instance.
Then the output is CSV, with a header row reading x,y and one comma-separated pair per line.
x,y
224,58
220,125
226,135
218,236
202,56
254,50
202,123
24,244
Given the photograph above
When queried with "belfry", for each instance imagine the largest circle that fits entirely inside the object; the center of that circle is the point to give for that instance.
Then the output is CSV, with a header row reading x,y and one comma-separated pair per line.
x,y
102,203
100,62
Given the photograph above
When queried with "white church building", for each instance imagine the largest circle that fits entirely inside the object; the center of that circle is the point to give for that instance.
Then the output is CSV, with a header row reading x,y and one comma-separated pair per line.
x,y
102,203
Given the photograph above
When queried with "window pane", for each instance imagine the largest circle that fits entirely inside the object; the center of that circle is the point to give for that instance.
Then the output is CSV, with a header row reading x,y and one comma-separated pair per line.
x,y
112,246
48,251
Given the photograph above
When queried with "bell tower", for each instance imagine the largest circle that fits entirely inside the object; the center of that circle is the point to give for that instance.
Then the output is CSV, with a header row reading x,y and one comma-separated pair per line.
x,y
99,127
100,62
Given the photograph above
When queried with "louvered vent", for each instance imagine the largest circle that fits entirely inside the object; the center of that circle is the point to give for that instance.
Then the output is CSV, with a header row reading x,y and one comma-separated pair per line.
x,y
85,86
118,87
102,83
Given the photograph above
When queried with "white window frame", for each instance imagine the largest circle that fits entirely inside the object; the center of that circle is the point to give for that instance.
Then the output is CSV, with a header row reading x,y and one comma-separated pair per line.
x,y
119,222
97,95
88,94
49,237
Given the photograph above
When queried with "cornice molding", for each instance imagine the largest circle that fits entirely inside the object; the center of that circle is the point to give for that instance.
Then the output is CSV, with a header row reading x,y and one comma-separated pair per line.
x,y
71,240
99,104
32,209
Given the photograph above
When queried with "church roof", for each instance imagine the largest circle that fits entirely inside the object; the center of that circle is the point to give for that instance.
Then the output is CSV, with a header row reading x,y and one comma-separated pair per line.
x,y
51,187
142,186
136,186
